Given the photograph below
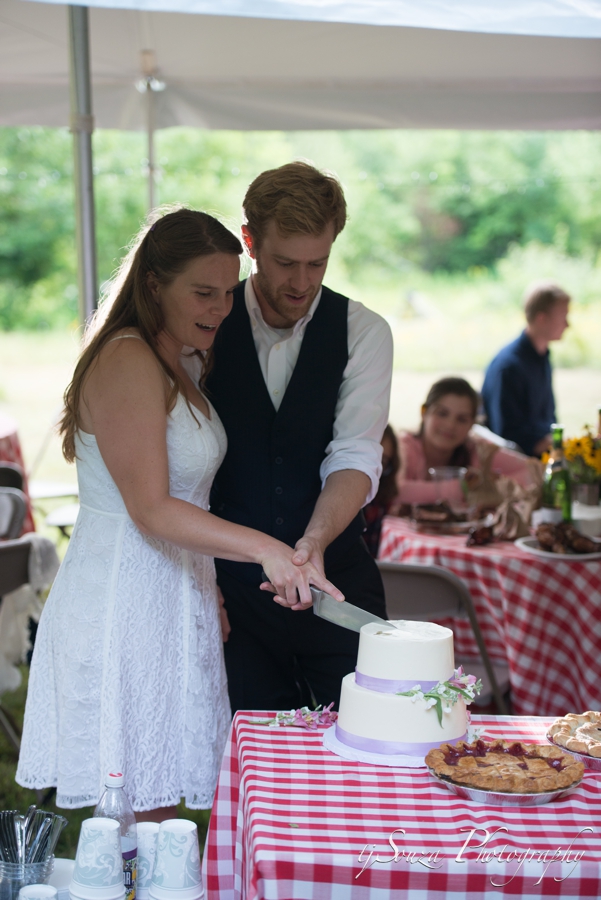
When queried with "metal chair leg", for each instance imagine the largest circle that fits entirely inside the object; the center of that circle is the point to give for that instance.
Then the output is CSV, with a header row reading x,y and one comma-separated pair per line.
x,y
10,728
499,700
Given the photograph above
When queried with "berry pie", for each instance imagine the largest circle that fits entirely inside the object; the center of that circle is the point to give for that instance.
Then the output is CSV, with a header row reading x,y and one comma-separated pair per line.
x,y
505,767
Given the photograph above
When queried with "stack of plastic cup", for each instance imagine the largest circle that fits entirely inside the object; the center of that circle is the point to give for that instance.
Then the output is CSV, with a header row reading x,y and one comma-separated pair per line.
x,y
176,873
61,877
147,850
98,873
38,892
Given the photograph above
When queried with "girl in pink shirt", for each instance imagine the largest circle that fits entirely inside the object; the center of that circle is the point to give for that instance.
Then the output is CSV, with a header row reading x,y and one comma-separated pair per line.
x,y
443,440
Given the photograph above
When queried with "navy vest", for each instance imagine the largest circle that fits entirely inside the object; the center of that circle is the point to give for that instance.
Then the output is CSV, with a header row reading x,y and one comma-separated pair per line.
x,y
269,479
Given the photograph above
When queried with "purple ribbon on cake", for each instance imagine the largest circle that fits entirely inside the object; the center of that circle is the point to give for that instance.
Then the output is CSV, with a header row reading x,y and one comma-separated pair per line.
x,y
391,685
390,748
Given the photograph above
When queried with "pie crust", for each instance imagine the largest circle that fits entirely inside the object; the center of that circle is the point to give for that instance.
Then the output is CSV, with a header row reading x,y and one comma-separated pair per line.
x,y
579,733
505,767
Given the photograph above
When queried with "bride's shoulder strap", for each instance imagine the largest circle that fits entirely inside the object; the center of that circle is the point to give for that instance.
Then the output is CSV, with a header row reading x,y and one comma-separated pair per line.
x,y
120,337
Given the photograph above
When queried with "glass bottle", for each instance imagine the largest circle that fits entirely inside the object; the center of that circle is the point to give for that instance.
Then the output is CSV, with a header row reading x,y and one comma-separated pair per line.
x,y
557,493
114,804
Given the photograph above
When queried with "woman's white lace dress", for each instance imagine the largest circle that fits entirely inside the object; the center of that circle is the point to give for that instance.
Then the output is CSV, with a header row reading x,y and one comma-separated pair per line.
x,y
127,672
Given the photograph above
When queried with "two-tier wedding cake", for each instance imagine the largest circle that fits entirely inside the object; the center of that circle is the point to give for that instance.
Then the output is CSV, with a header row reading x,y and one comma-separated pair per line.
x,y
405,696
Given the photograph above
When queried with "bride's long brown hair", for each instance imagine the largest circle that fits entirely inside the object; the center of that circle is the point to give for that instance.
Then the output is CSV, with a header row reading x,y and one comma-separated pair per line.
x,y
163,247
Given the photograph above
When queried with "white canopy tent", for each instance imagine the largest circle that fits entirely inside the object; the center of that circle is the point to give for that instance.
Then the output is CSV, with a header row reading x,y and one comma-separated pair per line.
x,y
313,64
310,64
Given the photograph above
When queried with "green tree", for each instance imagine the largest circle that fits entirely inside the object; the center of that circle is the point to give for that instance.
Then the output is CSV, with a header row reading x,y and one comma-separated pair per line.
x,y
436,201
36,225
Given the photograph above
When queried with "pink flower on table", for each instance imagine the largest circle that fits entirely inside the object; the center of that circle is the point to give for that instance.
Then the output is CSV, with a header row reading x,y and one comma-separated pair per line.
x,y
460,680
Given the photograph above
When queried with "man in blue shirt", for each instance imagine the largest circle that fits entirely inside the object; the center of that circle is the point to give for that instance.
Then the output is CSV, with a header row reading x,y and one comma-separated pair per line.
x,y
517,390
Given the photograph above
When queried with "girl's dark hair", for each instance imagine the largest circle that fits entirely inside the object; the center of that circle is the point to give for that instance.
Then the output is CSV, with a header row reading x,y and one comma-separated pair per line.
x,y
459,387
163,247
388,489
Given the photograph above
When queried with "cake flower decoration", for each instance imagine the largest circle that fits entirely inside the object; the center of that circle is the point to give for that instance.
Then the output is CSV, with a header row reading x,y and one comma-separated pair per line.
x,y
460,680
303,717
460,685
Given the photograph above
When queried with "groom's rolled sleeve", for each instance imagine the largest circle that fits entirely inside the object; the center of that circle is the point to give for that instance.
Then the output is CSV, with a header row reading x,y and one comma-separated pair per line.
x,y
363,400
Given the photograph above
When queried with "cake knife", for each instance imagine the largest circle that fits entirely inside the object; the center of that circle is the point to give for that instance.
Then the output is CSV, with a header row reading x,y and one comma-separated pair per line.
x,y
342,613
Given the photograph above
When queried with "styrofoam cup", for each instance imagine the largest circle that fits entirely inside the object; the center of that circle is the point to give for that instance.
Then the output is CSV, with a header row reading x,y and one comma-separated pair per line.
x,y
147,849
38,892
61,877
176,874
98,873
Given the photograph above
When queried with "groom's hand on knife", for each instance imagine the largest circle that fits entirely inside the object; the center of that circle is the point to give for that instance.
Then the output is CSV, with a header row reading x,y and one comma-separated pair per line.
x,y
342,497
299,597
309,549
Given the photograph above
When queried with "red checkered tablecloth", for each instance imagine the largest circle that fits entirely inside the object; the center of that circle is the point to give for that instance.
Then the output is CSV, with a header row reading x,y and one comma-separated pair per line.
x,y
292,820
541,616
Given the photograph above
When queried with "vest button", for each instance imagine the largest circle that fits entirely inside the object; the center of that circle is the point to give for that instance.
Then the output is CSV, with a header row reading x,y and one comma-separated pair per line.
x,y
278,460
279,490
279,521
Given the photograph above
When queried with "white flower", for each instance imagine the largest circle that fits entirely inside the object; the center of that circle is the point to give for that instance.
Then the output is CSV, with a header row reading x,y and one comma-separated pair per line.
x,y
430,702
447,709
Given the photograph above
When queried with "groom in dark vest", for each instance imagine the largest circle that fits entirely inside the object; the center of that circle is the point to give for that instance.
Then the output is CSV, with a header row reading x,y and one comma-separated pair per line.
x,y
301,381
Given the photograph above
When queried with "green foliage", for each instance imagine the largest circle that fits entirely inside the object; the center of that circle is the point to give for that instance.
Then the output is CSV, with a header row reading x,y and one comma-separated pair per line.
x,y
453,200
431,202
36,197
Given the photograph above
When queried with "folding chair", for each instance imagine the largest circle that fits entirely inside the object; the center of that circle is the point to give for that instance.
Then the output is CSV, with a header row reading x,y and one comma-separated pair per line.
x,y
13,509
11,475
424,593
14,572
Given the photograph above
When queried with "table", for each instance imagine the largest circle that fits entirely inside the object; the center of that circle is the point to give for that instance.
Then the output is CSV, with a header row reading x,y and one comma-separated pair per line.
x,y
52,490
292,820
10,451
63,518
540,616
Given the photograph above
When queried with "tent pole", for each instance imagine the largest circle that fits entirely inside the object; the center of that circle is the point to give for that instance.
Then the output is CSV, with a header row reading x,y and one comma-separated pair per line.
x,y
82,126
151,162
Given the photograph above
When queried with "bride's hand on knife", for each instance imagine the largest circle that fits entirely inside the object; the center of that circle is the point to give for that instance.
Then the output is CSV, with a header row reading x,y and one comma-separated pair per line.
x,y
291,583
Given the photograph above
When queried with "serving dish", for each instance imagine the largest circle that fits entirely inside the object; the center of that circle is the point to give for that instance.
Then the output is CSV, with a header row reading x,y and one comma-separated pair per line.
x,y
531,545
497,798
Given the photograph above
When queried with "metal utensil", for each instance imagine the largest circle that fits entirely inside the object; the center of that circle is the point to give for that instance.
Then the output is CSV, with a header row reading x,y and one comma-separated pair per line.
x,y
342,613
7,836
19,827
58,823
36,851
29,829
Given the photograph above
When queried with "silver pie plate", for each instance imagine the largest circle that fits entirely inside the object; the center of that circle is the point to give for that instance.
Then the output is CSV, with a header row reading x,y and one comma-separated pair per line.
x,y
498,798
589,762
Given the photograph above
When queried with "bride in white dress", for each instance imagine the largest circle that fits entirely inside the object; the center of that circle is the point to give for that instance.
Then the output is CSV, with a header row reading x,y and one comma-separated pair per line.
x,y
127,672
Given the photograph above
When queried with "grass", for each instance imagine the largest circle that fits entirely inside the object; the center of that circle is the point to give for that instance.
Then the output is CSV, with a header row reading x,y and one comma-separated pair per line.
x,y
12,796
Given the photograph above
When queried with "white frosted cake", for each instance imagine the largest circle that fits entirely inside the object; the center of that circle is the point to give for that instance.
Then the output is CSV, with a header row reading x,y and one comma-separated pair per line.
x,y
407,657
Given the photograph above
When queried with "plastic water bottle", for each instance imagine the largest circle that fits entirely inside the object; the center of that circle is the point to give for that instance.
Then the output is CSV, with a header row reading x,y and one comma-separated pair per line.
x,y
114,804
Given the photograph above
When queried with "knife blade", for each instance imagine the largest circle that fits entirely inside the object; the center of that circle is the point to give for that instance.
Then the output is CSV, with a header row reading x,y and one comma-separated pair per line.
x,y
339,612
